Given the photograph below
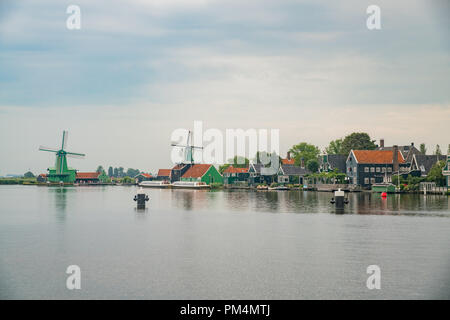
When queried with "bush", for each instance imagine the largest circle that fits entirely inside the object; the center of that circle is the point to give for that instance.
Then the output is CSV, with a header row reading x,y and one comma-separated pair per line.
x,y
216,185
273,185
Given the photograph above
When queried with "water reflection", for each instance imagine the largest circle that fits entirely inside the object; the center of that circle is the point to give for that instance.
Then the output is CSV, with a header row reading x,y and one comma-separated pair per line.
x,y
60,201
309,202
140,214
190,199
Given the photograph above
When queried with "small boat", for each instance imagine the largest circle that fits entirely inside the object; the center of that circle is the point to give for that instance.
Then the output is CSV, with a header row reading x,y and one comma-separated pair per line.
x,y
190,185
262,187
279,188
383,187
155,184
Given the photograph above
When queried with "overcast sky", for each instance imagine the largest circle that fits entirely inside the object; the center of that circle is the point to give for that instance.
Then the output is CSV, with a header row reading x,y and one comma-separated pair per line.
x,y
137,70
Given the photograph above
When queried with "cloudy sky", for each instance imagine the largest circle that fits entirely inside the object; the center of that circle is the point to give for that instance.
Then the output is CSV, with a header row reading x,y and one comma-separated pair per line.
x,y
137,70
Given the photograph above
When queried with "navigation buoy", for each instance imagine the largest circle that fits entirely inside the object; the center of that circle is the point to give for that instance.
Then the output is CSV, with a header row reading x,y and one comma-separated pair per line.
x,y
384,194
339,199
141,198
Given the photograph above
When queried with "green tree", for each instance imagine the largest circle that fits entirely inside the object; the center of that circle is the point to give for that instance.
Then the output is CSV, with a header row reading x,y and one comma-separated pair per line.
x,y
239,162
448,149
423,149
357,141
312,165
263,157
28,174
223,167
304,151
438,151
104,178
132,172
335,147
127,179
100,169
110,172
435,174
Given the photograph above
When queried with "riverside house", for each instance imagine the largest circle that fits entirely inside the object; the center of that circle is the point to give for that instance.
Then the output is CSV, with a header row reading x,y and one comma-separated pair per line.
x,y
258,174
163,175
206,173
288,160
421,164
366,167
290,174
178,171
233,175
87,177
407,151
331,162
143,177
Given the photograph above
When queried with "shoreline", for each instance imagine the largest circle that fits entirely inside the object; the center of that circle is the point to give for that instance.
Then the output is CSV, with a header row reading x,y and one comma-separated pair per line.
x,y
26,182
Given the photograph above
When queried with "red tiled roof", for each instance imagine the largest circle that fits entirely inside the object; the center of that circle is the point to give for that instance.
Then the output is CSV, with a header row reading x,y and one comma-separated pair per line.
x,y
376,156
178,167
287,161
232,169
147,175
43,175
196,171
164,172
87,175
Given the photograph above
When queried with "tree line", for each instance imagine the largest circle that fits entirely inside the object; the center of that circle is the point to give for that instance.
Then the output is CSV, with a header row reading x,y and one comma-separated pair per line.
x,y
119,172
309,153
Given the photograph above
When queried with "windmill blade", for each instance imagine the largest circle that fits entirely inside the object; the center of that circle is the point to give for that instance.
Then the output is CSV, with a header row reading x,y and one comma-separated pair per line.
x,y
65,138
42,148
75,156
188,137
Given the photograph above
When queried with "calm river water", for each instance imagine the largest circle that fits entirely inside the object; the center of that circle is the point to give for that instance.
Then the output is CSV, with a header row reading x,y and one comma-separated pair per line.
x,y
220,245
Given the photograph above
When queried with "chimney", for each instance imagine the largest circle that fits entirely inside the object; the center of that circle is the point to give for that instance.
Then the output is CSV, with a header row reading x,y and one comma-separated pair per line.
x,y
381,143
395,158
288,156
302,163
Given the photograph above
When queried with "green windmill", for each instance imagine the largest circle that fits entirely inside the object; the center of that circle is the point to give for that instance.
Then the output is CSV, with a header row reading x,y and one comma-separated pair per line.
x,y
61,172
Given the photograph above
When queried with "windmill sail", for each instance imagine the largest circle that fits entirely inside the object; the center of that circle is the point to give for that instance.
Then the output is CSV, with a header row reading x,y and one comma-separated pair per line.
x,y
64,139
188,149
43,148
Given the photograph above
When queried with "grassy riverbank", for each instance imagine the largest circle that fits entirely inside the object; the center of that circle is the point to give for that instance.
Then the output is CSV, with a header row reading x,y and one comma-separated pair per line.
x,y
25,181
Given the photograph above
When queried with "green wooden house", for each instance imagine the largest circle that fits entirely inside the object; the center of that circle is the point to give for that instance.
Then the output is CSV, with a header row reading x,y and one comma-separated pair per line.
x,y
233,175
206,173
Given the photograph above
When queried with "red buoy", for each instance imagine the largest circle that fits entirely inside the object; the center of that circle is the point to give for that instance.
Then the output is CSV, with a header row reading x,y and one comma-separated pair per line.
x,y
384,194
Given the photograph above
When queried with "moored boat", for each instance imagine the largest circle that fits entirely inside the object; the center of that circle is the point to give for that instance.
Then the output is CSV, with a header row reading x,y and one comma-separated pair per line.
x,y
190,185
155,184
279,188
383,187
